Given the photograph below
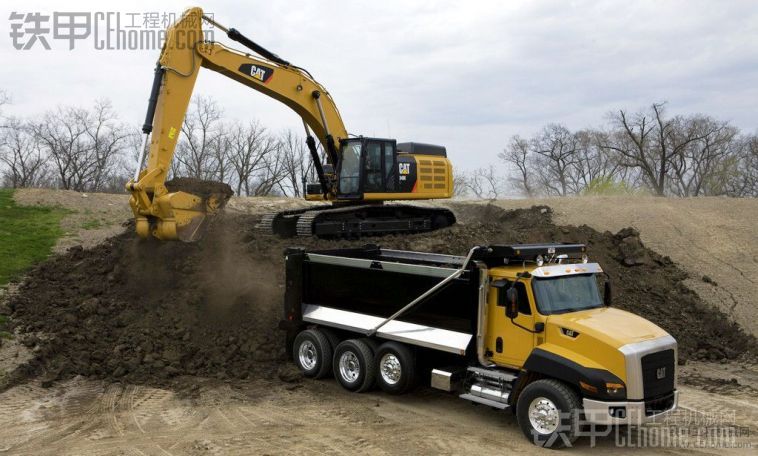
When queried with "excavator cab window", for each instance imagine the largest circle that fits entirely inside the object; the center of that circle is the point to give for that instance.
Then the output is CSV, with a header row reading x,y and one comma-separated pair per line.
x,y
350,168
373,166
367,166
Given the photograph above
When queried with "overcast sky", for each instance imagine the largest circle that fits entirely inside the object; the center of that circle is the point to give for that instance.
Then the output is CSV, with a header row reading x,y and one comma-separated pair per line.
x,y
466,75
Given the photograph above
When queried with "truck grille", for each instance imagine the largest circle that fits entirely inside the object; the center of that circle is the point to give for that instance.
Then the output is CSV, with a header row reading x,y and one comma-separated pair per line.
x,y
659,404
658,373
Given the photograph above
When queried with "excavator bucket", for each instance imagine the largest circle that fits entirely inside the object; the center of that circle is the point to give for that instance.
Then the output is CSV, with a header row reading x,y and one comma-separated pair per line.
x,y
193,203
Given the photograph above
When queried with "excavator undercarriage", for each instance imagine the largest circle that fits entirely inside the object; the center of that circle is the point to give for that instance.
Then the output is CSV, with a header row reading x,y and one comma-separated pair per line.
x,y
354,221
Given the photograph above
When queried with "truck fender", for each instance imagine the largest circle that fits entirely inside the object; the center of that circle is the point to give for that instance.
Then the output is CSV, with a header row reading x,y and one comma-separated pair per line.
x,y
551,365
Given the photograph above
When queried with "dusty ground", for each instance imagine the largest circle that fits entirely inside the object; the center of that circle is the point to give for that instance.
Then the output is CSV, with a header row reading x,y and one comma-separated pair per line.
x,y
200,417
264,415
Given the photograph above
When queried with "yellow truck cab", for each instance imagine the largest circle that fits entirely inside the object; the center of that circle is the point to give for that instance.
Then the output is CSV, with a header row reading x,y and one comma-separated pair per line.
x,y
521,327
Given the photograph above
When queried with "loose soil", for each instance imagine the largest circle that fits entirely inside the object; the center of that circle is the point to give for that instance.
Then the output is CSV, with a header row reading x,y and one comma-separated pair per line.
x,y
201,188
146,311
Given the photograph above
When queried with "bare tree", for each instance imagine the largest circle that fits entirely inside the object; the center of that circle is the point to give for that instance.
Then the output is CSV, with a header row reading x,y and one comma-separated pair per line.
x,y
460,184
20,152
5,99
737,173
83,146
201,133
296,163
268,180
556,159
62,135
650,142
692,167
108,140
518,154
248,148
484,183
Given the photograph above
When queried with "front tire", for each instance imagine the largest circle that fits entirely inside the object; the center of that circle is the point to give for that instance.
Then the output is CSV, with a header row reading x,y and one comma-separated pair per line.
x,y
396,368
353,365
548,412
312,353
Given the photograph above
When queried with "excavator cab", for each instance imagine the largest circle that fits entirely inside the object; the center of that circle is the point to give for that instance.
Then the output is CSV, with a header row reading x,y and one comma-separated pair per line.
x,y
367,165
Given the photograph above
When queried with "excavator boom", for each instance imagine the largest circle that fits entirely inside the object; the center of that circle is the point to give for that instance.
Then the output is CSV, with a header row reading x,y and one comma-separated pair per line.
x,y
171,213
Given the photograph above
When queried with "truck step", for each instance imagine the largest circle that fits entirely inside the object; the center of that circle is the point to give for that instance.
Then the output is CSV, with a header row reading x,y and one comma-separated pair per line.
x,y
482,400
492,374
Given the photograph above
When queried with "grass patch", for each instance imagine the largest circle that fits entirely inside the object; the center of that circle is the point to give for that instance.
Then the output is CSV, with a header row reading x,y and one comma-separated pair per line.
x,y
92,224
27,234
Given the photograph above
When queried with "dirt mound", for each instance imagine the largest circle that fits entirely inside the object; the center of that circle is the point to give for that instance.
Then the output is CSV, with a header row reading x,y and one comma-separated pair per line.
x,y
201,188
144,310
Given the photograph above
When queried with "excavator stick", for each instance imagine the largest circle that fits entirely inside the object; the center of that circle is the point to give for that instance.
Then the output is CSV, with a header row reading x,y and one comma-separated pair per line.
x,y
178,209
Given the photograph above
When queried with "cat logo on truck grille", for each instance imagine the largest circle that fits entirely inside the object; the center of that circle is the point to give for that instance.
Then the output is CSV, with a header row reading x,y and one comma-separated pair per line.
x,y
660,373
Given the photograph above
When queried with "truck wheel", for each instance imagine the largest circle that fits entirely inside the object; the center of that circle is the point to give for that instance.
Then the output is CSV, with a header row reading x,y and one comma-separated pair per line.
x,y
332,337
353,365
373,343
547,413
312,353
396,368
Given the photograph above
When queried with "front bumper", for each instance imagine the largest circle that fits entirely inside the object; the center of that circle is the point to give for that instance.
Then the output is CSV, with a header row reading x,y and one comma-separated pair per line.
x,y
632,412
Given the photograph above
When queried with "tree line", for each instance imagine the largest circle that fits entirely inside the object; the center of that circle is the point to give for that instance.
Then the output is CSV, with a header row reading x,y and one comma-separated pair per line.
x,y
90,149
635,152
647,151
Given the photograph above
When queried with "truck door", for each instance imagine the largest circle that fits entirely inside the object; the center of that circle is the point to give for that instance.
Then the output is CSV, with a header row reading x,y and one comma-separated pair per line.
x,y
509,344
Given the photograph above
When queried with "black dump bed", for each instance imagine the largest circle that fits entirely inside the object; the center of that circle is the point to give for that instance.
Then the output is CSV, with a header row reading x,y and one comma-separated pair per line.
x,y
380,282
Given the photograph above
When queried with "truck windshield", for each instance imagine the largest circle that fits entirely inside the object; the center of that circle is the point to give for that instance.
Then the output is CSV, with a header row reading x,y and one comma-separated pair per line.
x,y
350,168
566,294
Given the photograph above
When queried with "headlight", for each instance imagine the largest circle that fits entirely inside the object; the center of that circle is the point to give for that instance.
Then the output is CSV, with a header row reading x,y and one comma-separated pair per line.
x,y
615,389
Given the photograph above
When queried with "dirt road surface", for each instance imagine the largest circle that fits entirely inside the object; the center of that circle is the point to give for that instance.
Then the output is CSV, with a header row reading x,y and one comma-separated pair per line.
x,y
208,417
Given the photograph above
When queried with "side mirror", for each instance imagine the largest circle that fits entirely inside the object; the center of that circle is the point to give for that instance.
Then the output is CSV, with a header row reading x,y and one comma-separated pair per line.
x,y
607,293
511,305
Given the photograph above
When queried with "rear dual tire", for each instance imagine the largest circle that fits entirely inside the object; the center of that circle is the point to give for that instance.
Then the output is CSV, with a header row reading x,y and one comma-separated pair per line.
x,y
354,366
357,364
396,368
312,353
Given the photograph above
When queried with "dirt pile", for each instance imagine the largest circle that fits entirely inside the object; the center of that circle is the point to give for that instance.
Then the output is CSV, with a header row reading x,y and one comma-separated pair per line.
x,y
201,188
145,310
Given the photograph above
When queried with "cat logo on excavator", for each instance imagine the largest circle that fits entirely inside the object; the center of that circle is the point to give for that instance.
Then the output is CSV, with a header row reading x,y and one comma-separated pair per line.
x,y
258,72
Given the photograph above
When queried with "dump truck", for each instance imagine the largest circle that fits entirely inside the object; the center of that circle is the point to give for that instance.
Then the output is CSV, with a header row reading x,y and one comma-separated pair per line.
x,y
521,327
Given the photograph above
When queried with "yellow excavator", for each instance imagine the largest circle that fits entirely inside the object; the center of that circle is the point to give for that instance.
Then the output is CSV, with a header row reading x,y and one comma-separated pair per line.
x,y
358,175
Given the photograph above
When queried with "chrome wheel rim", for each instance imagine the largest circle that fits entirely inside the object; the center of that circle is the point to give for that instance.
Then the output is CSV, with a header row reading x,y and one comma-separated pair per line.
x,y
389,367
350,367
307,355
544,416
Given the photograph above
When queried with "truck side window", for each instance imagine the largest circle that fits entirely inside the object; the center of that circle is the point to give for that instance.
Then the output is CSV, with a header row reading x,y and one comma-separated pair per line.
x,y
523,299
